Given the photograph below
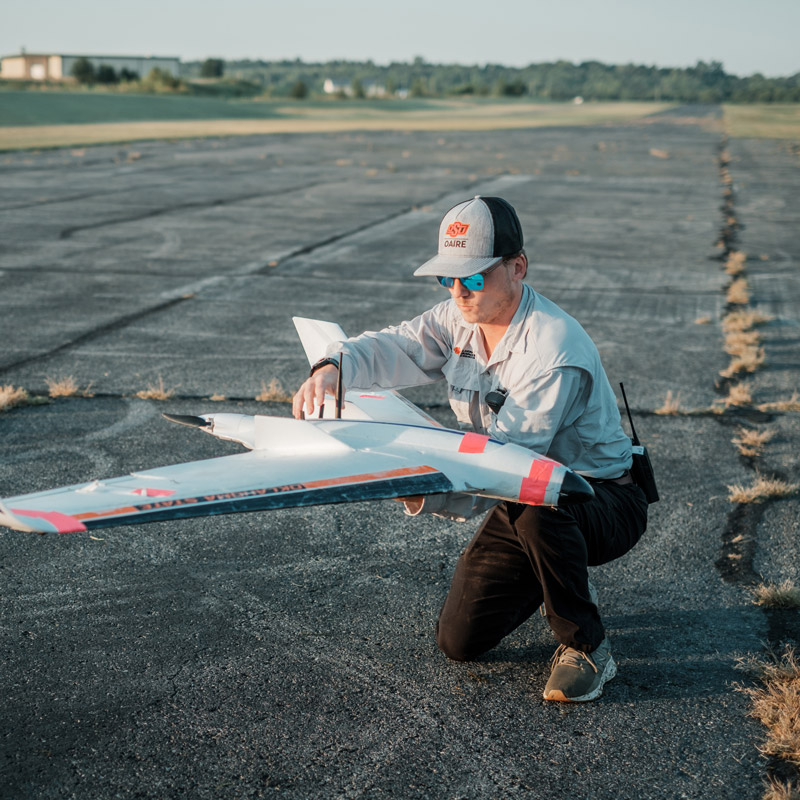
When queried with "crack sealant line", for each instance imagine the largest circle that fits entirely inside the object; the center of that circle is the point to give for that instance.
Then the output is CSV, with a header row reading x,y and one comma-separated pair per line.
x,y
94,333
188,291
445,201
67,233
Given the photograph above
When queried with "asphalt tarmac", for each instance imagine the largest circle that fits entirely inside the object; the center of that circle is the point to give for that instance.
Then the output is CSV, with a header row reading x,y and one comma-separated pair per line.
x,y
290,654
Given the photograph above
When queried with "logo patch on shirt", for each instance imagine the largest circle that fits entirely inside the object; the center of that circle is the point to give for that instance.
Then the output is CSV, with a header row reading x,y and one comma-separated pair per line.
x,y
457,229
464,353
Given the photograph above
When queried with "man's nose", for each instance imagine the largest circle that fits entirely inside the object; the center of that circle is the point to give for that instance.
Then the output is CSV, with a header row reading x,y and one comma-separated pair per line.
x,y
457,289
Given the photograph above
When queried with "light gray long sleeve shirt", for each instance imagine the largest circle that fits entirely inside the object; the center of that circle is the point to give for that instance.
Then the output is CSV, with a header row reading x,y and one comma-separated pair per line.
x,y
558,399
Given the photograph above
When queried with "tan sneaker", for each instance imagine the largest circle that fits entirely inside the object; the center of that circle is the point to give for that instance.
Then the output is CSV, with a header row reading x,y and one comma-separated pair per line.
x,y
578,677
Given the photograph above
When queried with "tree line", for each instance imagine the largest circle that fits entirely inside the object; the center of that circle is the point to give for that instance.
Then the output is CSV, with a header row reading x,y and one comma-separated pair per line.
x,y
705,82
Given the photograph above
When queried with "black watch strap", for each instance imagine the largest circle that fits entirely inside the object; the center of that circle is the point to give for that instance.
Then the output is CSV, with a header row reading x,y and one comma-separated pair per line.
x,y
323,362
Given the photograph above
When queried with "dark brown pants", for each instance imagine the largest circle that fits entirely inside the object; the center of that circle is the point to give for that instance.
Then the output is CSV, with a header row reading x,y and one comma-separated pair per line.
x,y
525,555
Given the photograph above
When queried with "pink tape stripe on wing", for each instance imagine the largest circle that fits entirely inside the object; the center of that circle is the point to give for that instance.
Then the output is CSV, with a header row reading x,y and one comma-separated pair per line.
x,y
534,487
63,523
153,492
473,443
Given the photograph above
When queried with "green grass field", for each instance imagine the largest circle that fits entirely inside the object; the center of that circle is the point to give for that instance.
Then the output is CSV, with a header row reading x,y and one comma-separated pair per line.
x,y
57,119
18,108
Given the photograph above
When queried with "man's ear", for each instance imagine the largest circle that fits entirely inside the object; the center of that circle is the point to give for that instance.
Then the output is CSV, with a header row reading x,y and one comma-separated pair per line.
x,y
520,267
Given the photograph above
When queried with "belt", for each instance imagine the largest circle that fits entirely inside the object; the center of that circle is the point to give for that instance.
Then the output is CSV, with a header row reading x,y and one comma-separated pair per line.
x,y
622,480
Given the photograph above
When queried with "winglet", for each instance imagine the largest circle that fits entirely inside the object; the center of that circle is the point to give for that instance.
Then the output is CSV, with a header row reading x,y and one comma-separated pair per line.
x,y
316,335
8,520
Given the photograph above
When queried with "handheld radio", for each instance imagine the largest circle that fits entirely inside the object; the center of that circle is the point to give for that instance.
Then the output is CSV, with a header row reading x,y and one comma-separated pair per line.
x,y
641,469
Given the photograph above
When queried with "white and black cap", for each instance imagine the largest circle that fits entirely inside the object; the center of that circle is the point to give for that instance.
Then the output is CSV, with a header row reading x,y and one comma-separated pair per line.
x,y
473,236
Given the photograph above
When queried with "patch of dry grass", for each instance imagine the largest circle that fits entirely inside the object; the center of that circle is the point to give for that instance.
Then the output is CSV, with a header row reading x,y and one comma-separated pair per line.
x,y
748,359
739,394
737,342
274,393
671,404
656,153
751,442
66,387
744,319
735,263
738,292
792,404
761,490
703,320
770,120
776,703
434,115
159,392
776,790
11,396
785,594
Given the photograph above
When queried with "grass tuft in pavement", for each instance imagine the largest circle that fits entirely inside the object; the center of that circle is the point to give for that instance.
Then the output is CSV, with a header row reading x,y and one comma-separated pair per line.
x,y
751,442
66,387
744,319
153,392
671,404
785,594
11,396
792,404
274,393
776,703
761,490
777,790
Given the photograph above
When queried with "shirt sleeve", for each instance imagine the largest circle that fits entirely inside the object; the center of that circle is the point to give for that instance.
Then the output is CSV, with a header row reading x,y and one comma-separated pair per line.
x,y
410,354
542,407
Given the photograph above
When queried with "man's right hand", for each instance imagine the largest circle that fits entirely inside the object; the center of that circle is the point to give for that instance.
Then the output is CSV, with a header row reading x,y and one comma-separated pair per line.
x,y
313,391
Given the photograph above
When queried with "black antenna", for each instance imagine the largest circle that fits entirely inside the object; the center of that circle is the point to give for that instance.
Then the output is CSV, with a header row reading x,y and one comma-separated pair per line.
x,y
339,389
634,438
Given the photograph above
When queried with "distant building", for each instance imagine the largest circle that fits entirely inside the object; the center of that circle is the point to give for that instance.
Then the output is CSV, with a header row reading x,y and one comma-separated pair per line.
x,y
52,67
371,88
337,87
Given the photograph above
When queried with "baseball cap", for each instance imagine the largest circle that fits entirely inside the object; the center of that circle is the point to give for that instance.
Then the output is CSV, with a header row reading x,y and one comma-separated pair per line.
x,y
475,235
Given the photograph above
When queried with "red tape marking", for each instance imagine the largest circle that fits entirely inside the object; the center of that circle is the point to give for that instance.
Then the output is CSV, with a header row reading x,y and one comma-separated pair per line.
x,y
63,523
473,443
153,492
534,487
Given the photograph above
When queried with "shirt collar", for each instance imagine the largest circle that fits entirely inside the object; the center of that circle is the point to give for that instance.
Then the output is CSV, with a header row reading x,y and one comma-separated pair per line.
x,y
514,339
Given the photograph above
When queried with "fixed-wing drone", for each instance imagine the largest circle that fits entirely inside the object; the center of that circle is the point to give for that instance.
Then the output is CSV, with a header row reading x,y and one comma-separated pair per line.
x,y
369,446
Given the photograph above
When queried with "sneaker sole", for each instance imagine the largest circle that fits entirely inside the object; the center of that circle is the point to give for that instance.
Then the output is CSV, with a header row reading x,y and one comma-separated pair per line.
x,y
608,673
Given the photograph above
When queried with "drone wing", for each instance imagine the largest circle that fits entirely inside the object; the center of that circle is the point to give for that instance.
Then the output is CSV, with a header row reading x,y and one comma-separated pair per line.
x,y
302,466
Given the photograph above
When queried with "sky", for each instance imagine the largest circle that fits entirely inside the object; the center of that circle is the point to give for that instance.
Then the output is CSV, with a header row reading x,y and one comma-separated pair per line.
x,y
747,36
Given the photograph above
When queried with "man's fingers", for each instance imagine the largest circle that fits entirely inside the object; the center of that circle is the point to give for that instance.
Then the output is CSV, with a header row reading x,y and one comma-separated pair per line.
x,y
312,392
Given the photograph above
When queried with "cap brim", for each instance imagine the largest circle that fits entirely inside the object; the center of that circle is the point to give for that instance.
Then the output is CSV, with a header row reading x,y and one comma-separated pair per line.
x,y
456,266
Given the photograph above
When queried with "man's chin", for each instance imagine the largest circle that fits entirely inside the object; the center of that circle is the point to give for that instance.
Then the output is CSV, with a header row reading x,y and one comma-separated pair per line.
x,y
469,314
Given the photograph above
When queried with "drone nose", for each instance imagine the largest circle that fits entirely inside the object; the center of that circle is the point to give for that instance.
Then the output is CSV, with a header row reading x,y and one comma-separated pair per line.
x,y
574,489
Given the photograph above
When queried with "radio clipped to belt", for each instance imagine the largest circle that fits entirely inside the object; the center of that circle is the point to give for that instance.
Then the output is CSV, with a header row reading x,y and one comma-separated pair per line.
x,y
642,469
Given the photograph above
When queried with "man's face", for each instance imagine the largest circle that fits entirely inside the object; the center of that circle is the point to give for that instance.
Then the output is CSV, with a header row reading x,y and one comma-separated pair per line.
x,y
496,303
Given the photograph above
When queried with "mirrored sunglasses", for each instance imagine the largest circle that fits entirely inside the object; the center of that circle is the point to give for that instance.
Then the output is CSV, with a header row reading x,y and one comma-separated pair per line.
x,y
474,283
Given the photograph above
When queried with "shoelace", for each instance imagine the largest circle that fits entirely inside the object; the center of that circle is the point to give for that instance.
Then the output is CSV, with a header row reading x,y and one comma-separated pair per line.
x,y
570,657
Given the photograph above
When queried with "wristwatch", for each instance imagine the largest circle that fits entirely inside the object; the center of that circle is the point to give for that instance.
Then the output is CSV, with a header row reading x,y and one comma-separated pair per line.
x,y
322,362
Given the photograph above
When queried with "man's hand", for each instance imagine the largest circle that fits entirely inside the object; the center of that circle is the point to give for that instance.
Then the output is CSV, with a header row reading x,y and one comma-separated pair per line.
x,y
413,504
313,391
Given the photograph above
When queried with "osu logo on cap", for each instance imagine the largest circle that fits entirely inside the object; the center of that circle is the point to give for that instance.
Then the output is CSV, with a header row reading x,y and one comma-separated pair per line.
x,y
457,229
